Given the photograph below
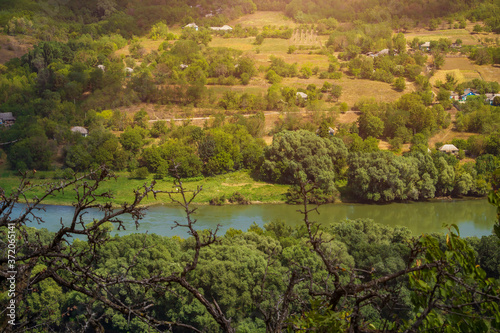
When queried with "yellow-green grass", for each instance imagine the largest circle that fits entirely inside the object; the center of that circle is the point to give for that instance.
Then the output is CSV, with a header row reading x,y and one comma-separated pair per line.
x,y
453,34
489,73
458,63
122,189
354,90
441,76
262,18
243,44
256,90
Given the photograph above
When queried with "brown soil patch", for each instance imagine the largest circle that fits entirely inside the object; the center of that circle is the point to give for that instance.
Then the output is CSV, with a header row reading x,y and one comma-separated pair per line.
x,y
268,139
14,47
347,117
383,145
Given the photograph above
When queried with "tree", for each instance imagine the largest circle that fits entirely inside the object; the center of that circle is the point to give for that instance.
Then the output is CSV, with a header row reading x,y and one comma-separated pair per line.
x,y
370,125
259,39
71,265
301,152
336,91
132,139
435,271
438,60
400,84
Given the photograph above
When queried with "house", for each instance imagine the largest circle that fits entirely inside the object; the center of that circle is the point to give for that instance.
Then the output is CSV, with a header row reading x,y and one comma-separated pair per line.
x,y
331,131
490,98
191,25
425,46
301,95
467,92
223,28
101,67
454,96
7,119
80,130
381,53
449,149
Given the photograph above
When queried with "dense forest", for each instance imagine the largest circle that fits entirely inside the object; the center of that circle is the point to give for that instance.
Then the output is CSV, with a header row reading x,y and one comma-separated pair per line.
x,y
354,275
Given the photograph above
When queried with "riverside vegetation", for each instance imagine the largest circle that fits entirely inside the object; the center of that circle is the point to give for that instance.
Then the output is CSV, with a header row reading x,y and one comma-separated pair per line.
x,y
354,276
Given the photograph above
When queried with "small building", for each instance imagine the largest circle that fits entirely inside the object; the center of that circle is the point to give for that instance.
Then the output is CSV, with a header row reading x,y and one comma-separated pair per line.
x,y
490,98
101,67
449,149
425,46
380,53
191,25
183,66
7,119
331,131
129,71
80,130
454,96
223,28
302,95
467,92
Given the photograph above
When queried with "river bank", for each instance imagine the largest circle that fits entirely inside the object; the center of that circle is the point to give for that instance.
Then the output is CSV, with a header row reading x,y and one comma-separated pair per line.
x,y
225,189
221,186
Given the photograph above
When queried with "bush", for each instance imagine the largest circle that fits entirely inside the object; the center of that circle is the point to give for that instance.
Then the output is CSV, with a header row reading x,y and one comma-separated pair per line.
x,y
140,173
259,39
218,201
239,198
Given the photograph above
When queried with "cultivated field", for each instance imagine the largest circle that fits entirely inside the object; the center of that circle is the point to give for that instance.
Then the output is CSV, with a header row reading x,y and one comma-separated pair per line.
x,y
262,18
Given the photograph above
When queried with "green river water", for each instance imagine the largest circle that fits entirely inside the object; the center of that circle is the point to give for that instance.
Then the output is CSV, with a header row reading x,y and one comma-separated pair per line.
x,y
473,217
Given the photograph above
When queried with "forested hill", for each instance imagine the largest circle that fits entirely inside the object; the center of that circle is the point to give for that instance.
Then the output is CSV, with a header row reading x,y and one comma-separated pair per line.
x,y
61,19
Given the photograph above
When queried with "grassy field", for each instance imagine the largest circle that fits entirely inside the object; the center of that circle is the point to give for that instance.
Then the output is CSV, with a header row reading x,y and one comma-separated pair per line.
x,y
122,188
465,70
262,18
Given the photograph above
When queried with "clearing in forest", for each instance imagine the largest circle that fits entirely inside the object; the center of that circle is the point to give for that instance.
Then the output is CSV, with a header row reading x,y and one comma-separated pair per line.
x,y
262,18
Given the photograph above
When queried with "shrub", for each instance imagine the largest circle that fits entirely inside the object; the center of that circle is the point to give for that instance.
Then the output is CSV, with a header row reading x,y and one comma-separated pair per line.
x,y
239,198
140,173
218,201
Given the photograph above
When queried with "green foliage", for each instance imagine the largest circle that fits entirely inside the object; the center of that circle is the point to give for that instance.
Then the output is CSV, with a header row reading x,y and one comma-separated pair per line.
x,y
400,84
140,173
303,155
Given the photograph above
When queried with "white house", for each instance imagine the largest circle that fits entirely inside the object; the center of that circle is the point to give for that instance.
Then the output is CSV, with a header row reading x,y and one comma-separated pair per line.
x,y
191,25
302,95
223,28
80,130
449,149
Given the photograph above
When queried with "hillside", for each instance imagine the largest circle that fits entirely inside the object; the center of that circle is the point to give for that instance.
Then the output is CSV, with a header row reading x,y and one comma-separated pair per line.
x,y
221,96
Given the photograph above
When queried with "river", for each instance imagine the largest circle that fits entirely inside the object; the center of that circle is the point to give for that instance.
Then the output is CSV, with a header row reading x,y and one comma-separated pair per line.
x,y
473,217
